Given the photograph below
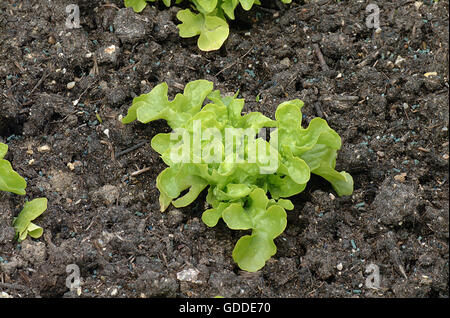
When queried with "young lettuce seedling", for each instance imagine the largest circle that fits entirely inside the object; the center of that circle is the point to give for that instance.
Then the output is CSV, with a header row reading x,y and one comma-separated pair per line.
x,y
22,223
207,19
11,181
248,178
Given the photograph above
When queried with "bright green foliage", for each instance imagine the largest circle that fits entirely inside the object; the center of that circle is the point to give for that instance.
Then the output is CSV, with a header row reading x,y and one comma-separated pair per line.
x,y
249,194
10,180
207,19
139,5
212,30
22,223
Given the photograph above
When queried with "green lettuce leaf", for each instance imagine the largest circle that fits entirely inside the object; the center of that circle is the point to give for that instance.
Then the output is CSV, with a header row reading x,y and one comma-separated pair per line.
x,y
137,5
10,180
212,30
252,251
22,223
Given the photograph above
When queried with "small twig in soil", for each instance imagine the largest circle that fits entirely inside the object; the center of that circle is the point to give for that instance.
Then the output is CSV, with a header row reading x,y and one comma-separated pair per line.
x,y
369,59
400,267
95,68
84,92
44,76
250,275
346,98
14,286
24,277
433,126
92,222
234,63
445,90
138,172
111,5
423,149
101,256
324,2
319,111
126,68
406,113
82,125
111,148
315,289
319,54
405,3
62,120
178,85
48,239
19,67
292,80
164,259
12,86
124,152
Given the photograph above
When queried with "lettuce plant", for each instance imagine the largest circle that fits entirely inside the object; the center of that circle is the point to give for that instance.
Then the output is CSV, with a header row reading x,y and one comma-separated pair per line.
x,y
206,18
11,181
248,176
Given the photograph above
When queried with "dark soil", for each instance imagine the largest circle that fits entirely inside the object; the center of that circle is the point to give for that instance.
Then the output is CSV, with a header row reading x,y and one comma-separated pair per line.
x,y
371,87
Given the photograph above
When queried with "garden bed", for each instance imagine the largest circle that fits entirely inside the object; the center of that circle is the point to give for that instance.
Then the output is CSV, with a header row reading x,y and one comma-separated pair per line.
x,y
62,92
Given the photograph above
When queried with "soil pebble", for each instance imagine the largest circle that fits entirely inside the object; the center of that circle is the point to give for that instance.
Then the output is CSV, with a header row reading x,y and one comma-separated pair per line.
x,y
395,202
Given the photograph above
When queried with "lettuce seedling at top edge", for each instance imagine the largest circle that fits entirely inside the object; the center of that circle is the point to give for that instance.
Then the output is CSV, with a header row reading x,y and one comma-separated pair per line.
x,y
139,5
248,177
206,19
